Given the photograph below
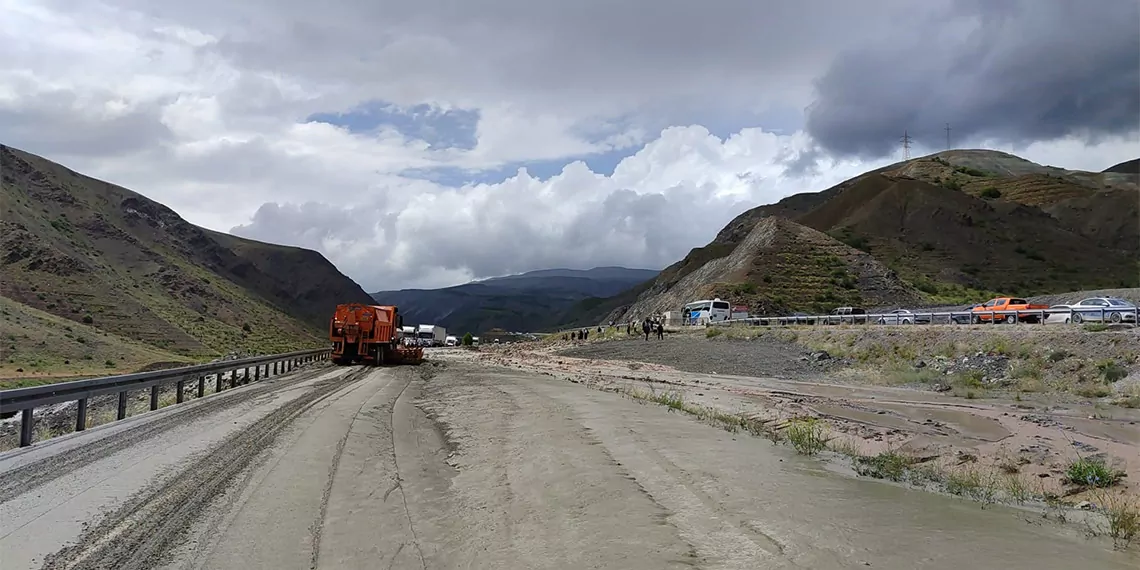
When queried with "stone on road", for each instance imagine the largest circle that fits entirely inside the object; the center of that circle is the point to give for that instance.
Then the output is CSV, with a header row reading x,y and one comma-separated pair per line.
x,y
466,466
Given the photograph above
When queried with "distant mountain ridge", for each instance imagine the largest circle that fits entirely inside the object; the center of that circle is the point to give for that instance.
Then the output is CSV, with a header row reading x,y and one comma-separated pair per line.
x,y
527,302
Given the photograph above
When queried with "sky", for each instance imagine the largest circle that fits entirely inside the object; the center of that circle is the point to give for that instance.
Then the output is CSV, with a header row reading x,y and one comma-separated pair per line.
x,y
429,143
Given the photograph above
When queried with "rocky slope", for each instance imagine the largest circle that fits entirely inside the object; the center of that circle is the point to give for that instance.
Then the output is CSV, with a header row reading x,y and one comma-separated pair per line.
x,y
98,254
779,265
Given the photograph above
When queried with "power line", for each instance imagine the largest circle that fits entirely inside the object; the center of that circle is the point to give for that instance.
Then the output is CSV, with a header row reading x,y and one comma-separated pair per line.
x,y
947,136
906,145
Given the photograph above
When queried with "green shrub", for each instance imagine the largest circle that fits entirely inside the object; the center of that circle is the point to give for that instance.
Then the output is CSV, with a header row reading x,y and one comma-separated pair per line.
x,y
1092,472
807,435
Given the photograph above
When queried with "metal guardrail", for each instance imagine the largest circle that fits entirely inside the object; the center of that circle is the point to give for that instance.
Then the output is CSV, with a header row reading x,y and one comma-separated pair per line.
x,y
25,400
1036,316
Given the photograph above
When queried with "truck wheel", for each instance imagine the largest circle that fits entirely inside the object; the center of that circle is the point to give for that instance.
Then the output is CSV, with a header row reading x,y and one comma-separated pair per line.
x,y
1011,319
1114,318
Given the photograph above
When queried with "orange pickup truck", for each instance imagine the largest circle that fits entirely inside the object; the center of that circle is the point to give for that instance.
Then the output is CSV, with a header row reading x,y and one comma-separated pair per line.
x,y
1026,312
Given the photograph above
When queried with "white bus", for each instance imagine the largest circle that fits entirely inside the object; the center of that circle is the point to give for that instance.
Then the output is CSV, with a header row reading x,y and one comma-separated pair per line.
x,y
707,311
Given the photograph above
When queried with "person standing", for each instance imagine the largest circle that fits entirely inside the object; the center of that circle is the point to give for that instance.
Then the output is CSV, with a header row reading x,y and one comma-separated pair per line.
x,y
660,330
645,327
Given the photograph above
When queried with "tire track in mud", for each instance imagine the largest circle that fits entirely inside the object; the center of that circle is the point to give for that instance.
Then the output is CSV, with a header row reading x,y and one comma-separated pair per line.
x,y
142,530
396,465
24,478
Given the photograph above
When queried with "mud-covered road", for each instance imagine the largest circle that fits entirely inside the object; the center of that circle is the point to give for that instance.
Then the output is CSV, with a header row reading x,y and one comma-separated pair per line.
x,y
467,466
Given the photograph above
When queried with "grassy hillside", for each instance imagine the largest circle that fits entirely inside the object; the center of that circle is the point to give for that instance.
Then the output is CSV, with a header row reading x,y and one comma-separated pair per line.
x,y
953,227
100,255
537,300
38,347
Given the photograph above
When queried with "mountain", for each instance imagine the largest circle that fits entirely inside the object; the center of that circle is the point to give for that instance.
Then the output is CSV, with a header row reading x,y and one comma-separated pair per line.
x,y
1126,167
527,302
950,227
97,254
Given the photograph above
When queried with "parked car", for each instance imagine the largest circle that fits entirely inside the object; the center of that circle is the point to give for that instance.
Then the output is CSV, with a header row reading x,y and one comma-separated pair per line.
x,y
851,315
1100,309
796,319
964,318
903,317
1055,313
1026,312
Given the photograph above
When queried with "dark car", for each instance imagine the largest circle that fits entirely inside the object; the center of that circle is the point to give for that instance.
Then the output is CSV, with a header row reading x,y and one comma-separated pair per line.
x,y
964,316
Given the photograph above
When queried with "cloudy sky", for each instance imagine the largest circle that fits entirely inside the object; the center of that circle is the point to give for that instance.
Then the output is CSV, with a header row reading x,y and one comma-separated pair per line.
x,y
426,143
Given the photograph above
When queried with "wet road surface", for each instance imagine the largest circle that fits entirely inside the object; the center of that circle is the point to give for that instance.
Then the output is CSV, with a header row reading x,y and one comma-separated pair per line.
x,y
465,466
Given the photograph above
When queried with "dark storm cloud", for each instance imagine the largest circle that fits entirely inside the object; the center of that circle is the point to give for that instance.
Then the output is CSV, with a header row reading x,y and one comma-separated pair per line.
x,y
1008,70
585,54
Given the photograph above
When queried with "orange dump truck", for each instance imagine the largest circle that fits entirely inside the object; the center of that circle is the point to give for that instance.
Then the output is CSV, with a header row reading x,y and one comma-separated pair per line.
x,y
994,311
369,334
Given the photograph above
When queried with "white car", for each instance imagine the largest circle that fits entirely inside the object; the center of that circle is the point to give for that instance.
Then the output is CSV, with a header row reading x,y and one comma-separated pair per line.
x,y
1099,309
903,317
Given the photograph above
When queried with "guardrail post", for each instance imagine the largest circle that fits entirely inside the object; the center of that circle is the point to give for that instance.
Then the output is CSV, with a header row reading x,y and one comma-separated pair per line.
x,y
201,385
180,391
26,427
154,398
121,413
257,373
245,377
217,382
81,414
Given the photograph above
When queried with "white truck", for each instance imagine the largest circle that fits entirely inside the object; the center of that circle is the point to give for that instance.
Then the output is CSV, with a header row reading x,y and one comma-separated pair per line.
x,y
451,341
407,335
431,335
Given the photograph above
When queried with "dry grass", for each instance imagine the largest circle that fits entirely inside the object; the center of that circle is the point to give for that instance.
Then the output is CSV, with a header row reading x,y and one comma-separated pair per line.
x,y
808,436
1041,359
1122,517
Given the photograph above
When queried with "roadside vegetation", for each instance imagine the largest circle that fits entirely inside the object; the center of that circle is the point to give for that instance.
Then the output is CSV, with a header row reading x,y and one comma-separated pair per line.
x,y
40,348
973,362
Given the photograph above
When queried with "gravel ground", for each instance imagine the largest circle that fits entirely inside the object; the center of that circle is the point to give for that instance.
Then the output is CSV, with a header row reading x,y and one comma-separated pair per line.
x,y
770,358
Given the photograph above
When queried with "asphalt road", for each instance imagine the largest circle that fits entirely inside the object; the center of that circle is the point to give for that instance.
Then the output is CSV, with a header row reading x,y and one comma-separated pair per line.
x,y
461,466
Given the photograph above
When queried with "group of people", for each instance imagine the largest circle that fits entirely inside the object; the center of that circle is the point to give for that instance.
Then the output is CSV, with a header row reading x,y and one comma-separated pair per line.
x,y
581,334
648,327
